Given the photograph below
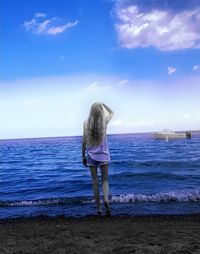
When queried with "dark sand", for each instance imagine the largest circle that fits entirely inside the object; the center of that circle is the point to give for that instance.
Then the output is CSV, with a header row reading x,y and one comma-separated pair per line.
x,y
122,234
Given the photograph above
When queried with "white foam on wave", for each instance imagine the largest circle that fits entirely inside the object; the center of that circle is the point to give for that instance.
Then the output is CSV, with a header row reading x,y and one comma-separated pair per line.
x,y
183,196
35,202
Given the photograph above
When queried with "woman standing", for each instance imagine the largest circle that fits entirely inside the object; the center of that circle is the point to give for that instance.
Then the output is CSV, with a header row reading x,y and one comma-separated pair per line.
x,y
96,144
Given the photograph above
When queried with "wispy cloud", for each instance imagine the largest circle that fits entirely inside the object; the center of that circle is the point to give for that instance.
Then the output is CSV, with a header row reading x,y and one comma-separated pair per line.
x,y
140,124
62,58
40,15
94,87
122,82
39,24
196,68
117,122
186,116
171,70
54,30
163,29
33,101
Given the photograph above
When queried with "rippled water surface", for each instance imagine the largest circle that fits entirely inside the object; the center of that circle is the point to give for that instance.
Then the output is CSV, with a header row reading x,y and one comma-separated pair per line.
x,y
145,176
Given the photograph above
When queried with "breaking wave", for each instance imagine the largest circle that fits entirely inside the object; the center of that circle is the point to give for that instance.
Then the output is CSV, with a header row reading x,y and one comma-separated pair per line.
x,y
183,196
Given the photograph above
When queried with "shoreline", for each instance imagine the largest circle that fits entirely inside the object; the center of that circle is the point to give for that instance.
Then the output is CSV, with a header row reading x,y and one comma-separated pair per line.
x,y
92,234
123,216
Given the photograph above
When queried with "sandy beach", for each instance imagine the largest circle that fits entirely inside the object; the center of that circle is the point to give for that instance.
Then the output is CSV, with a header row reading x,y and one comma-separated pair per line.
x,y
91,234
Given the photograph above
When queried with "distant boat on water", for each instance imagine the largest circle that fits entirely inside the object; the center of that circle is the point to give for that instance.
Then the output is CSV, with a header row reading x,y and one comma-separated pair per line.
x,y
170,134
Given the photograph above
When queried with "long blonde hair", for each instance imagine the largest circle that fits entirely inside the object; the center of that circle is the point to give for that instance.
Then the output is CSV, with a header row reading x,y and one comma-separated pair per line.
x,y
96,125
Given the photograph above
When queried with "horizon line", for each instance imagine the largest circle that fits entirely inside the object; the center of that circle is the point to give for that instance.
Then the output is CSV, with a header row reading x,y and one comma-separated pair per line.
x,y
126,133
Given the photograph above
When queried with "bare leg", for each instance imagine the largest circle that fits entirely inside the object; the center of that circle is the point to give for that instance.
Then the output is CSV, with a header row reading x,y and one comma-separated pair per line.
x,y
105,186
95,185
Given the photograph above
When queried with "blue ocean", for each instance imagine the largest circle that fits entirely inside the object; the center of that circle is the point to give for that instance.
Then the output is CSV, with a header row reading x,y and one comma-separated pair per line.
x,y
146,176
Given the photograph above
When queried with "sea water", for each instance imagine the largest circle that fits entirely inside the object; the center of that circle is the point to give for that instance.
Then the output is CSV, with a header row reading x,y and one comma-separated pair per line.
x,y
146,176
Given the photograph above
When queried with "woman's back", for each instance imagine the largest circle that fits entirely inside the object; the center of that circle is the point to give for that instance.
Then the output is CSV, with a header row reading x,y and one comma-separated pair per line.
x,y
99,152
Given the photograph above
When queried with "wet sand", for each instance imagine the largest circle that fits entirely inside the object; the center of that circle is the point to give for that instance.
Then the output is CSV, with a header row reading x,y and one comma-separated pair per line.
x,y
178,234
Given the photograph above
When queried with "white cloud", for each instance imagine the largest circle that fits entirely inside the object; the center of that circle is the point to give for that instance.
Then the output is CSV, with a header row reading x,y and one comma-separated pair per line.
x,y
30,24
33,101
117,122
40,15
140,124
186,116
137,124
54,30
43,26
196,68
161,29
122,83
94,86
62,57
171,70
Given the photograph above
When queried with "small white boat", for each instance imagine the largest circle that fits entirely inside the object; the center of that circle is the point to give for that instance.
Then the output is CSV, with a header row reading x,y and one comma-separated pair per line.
x,y
170,134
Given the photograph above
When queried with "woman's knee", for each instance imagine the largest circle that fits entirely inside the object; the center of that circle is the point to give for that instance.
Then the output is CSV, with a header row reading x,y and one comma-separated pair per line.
x,y
95,181
104,179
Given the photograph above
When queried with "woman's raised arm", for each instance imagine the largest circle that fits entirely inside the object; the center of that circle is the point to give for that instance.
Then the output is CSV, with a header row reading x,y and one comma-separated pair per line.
x,y
110,111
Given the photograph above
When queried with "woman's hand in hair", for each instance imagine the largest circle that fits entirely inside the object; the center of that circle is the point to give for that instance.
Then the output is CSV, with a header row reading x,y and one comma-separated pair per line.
x,y
107,108
110,111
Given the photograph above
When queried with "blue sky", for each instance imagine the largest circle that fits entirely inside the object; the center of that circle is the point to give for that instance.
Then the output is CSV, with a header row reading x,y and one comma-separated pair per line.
x,y
58,57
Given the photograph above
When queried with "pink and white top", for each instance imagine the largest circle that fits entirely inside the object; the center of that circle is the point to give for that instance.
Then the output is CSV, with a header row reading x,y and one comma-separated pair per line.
x,y
99,152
